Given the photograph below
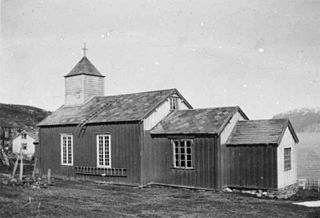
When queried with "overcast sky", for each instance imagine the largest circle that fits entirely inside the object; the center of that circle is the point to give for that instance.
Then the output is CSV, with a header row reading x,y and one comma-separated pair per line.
x,y
261,55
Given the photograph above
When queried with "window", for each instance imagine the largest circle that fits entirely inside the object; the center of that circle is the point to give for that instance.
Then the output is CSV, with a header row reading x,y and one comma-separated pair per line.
x,y
104,150
182,153
173,103
24,146
66,149
287,159
24,135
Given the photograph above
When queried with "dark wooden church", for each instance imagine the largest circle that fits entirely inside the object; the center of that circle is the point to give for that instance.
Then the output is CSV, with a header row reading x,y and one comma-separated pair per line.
x,y
156,137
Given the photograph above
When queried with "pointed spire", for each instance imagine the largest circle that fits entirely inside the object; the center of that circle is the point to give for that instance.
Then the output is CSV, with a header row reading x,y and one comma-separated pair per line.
x,y
84,67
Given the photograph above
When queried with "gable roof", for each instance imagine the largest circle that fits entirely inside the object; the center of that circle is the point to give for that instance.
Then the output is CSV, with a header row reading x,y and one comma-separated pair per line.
x,y
197,121
84,67
33,133
118,108
260,132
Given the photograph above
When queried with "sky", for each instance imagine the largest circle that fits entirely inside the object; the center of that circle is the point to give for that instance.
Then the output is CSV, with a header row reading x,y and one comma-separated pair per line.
x,y
260,55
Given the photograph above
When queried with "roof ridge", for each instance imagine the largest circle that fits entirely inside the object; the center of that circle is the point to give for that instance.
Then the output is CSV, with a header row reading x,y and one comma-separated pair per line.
x,y
160,90
117,95
284,119
207,108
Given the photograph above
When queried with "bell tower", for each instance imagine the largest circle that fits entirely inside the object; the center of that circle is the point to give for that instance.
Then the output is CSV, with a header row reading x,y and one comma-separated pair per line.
x,y
83,82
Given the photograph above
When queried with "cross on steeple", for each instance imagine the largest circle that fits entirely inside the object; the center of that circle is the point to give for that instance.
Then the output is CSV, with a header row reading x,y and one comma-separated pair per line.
x,y
84,49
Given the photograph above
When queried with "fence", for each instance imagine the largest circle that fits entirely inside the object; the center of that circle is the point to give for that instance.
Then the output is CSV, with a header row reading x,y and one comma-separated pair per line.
x,y
309,184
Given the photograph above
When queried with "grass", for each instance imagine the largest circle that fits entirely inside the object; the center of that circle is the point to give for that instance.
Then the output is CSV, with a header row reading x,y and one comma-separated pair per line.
x,y
89,199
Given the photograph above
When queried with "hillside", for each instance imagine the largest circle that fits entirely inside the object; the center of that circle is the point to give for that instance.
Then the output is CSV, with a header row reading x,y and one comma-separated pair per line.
x,y
303,120
21,115
307,125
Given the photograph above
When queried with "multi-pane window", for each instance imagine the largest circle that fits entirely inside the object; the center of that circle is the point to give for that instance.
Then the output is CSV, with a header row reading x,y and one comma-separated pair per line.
x,y
173,103
24,135
104,150
182,149
287,159
66,149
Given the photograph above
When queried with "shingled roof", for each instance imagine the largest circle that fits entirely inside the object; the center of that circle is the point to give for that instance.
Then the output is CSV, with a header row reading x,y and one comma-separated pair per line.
x,y
260,132
84,67
197,121
118,108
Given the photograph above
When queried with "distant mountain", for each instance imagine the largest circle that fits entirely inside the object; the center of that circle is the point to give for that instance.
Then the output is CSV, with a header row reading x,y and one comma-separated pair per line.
x,y
21,115
304,119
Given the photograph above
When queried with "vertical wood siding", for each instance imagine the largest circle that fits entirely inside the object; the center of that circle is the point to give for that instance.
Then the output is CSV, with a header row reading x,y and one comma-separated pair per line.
x,y
93,86
223,138
80,88
157,163
250,166
289,177
125,150
74,90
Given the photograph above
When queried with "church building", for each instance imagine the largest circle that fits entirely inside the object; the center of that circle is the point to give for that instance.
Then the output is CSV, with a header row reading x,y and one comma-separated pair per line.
x,y
156,137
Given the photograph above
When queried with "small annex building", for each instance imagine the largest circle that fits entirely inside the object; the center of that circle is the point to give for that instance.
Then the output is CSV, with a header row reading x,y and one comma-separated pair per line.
x,y
153,137
264,154
24,142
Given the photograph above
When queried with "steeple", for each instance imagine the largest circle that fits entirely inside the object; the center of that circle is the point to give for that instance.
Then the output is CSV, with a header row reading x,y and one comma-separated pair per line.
x,y
84,67
83,82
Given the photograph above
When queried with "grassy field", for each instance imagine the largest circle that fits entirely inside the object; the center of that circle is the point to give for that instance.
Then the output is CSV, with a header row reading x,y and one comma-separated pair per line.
x,y
88,199
309,155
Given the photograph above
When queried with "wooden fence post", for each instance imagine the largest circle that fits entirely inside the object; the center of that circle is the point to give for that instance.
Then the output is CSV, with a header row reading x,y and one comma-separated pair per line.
x,y
15,166
49,176
34,167
21,165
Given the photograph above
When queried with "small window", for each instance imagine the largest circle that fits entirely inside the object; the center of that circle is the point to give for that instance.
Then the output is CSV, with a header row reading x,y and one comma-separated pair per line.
x,y
24,146
182,153
23,135
66,149
104,150
287,159
173,103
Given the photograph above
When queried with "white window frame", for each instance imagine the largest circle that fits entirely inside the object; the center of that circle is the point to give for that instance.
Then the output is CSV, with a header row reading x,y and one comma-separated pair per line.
x,y
67,152
185,153
287,161
103,151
